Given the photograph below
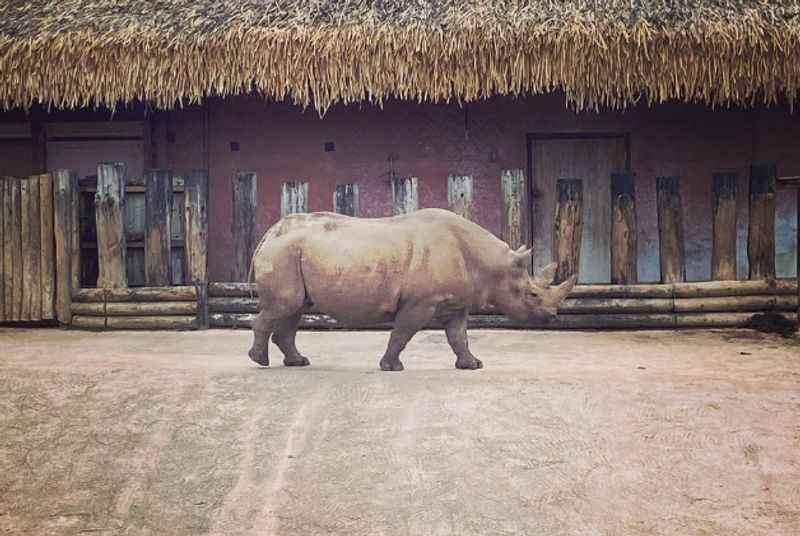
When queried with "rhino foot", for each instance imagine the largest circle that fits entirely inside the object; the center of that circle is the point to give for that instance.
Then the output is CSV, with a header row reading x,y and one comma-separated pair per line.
x,y
297,362
259,356
392,366
469,364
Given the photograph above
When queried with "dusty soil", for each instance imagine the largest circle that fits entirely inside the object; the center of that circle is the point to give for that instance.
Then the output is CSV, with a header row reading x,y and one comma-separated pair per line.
x,y
562,433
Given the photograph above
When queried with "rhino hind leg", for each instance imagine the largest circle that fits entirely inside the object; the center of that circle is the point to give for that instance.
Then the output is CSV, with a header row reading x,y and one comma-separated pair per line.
x,y
284,338
456,329
263,325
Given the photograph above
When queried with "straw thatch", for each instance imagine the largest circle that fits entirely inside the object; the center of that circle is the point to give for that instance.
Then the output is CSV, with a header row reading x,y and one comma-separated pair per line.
x,y
72,53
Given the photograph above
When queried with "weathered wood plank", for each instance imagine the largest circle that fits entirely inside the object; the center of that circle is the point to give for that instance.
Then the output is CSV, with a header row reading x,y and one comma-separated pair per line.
x,y
89,322
109,213
3,215
225,289
196,240
615,305
623,229
233,305
16,248
568,228
160,308
460,196
405,197
244,219
158,229
761,230
63,227
34,256
47,260
294,198
670,230
8,253
514,223
25,249
714,289
723,241
88,308
152,322
345,199
141,294
76,231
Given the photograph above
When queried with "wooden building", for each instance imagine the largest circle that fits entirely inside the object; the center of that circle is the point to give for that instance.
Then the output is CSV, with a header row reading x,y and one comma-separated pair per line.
x,y
643,144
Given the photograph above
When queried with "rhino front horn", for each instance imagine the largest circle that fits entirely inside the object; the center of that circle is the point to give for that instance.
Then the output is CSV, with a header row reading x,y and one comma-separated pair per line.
x,y
566,287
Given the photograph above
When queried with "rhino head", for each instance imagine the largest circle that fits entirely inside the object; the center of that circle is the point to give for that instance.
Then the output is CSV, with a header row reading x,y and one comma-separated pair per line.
x,y
530,299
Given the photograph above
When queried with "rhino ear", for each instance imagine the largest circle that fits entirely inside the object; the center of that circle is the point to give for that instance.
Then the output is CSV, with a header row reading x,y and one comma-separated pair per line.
x,y
521,257
546,275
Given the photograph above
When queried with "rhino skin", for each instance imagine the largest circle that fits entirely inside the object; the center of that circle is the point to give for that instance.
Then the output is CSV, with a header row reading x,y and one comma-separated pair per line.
x,y
411,269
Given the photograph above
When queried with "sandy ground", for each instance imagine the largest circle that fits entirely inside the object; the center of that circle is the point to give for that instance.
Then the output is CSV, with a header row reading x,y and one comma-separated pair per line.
x,y
562,433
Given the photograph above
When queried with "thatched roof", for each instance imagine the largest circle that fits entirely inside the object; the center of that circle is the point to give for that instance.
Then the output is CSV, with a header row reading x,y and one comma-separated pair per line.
x,y
72,53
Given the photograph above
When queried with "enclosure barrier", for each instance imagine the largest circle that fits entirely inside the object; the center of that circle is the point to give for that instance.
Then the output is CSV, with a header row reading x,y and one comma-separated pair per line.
x,y
676,305
172,308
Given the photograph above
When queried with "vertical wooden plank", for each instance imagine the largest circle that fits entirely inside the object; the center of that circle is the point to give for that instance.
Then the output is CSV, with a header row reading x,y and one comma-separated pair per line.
x,y
761,231
196,240
16,248
25,249
243,230
294,198
405,198
514,223
723,238
109,213
623,229
3,216
459,195
670,230
568,229
158,229
62,216
33,260
47,260
8,253
76,230
345,199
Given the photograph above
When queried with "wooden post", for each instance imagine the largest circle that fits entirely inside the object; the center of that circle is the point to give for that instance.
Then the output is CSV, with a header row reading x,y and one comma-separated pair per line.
x,y
75,228
670,230
568,228
34,255
110,214
405,198
3,216
62,211
47,260
623,229
196,239
514,226
723,241
16,270
294,198
345,199
25,248
459,195
157,228
244,220
761,231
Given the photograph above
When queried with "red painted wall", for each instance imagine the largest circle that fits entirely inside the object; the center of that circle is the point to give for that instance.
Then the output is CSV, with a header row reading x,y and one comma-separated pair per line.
x,y
282,143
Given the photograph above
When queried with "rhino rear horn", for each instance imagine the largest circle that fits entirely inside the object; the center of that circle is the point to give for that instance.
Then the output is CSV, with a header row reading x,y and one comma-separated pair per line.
x,y
546,275
521,256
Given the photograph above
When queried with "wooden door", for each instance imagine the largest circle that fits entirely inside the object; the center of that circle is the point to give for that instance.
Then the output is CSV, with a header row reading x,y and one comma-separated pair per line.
x,y
593,160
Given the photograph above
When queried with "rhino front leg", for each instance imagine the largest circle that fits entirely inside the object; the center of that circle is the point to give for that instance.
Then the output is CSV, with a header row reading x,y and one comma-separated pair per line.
x,y
284,338
456,329
407,323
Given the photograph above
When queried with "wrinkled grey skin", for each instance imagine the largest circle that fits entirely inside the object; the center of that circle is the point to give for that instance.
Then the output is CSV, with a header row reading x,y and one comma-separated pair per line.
x,y
410,269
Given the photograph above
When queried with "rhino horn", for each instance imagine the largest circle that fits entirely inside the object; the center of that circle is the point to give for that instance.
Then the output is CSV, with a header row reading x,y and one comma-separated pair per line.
x,y
561,291
546,275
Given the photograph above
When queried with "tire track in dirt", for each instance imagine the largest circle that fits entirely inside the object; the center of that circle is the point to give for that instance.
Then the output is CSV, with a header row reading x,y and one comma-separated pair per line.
x,y
253,497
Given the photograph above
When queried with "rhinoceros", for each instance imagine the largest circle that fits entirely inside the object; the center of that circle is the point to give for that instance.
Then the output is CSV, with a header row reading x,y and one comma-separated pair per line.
x,y
429,265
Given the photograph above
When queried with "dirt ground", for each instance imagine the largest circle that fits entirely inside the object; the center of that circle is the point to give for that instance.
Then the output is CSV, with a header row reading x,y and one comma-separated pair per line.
x,y
694,432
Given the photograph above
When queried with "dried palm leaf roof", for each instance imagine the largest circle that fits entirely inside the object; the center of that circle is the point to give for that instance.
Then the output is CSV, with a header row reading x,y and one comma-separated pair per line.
x,y
71,53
